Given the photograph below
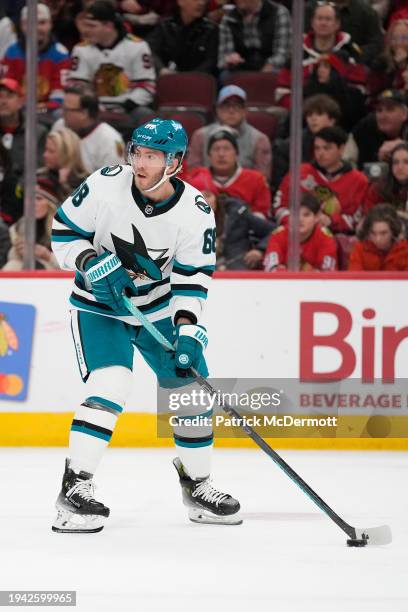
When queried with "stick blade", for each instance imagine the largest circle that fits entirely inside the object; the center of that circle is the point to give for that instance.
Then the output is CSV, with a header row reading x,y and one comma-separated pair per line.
x,y
375,536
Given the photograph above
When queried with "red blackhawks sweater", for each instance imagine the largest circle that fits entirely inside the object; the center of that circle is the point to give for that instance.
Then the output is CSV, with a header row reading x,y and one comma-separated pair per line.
x,y
341,195
318,252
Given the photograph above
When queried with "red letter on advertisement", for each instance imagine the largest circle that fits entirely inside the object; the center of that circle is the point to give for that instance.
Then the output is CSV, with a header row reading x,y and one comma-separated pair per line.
x,y
308,341
391,341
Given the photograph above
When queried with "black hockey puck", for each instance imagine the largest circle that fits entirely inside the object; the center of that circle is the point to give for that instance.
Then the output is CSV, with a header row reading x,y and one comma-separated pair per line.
x,y
357,543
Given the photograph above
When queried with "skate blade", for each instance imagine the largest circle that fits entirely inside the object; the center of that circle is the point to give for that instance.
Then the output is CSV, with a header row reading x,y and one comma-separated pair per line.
x,y
69,522
197,515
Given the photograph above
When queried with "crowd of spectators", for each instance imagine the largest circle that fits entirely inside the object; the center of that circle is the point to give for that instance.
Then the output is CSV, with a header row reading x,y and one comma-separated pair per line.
x,y
100,63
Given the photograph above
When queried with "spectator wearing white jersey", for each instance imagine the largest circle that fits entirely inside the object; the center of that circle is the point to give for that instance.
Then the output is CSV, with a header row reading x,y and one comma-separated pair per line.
x,y
101,145
118,65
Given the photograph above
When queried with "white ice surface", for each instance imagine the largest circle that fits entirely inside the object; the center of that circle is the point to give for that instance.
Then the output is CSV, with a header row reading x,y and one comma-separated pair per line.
x,y
286,556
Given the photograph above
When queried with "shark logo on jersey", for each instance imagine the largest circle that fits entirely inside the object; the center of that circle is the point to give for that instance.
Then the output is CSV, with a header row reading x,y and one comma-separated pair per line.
x,y
135,256
202,204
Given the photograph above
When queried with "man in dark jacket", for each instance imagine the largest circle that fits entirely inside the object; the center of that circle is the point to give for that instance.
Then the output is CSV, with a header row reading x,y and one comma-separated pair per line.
x,y
255,35
12,125
375,136
188,41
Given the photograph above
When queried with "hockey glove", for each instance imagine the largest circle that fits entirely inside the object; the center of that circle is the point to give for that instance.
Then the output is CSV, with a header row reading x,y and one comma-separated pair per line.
x,y
109,280
191,340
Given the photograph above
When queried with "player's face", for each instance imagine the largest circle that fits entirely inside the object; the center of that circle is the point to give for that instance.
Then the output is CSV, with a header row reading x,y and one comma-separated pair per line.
x,y
307,221
223,157
148,166
10,103
317,121
232,112
390,117
51,157
381,235
400,166
324,22
327,154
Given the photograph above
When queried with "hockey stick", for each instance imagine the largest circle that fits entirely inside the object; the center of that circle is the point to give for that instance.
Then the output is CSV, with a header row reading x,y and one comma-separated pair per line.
x,y
357,537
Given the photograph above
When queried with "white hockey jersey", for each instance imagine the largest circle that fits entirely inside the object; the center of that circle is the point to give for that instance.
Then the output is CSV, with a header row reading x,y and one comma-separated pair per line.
x,y
101,146
123,72
168,248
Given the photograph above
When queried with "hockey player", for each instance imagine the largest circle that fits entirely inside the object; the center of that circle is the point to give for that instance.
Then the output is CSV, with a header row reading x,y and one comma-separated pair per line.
x,y
136,229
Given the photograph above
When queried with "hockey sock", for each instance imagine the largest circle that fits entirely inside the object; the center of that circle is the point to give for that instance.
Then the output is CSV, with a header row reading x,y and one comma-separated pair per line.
x,y
91,432
196,460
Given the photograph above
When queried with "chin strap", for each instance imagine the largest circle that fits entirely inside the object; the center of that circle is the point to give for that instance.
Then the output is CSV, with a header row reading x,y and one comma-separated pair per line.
x,y
165,177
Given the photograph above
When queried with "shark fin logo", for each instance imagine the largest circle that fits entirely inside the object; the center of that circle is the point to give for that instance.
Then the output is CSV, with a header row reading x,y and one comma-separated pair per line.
x,y
135,256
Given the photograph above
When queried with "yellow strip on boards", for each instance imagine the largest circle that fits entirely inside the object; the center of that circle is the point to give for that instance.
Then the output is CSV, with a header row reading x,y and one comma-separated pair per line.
x,y
139,430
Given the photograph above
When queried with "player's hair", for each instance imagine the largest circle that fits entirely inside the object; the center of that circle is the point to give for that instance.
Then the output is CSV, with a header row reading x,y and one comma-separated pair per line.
x,y
322,104
384,213
88,99
334,134
310,202
69,150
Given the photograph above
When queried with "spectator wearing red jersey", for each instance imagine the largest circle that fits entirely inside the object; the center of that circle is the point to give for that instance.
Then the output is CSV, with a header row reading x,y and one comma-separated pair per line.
x,y
318,249
224,171
339,188
53,60
331,65
379,246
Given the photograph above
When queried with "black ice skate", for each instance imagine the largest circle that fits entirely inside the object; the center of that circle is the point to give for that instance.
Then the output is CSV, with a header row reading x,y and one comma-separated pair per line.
x,y
205,503
77,510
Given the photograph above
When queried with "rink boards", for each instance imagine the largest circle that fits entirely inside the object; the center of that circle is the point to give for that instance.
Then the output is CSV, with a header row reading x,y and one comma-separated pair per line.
x,y
282,326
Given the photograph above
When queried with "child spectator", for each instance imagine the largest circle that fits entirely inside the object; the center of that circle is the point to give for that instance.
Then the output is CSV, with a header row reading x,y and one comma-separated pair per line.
x,y
46,203
379,246
393,187
230,178
241,235
101,144
53,60
318,249
231,110
339,188
186,41
319,111
63,163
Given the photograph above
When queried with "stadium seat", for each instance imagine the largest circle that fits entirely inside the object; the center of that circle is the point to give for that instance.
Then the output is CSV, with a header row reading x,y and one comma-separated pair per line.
x,y
192,91
265,122
191,120
260,89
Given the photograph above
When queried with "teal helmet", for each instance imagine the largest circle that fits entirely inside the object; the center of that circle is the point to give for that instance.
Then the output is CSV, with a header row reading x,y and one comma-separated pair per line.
x,y
162,134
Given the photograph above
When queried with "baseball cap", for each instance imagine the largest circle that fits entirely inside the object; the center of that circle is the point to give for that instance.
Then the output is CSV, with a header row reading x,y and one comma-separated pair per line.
x,y
223,134
392,95
231,91
101,10
11,85
43,12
